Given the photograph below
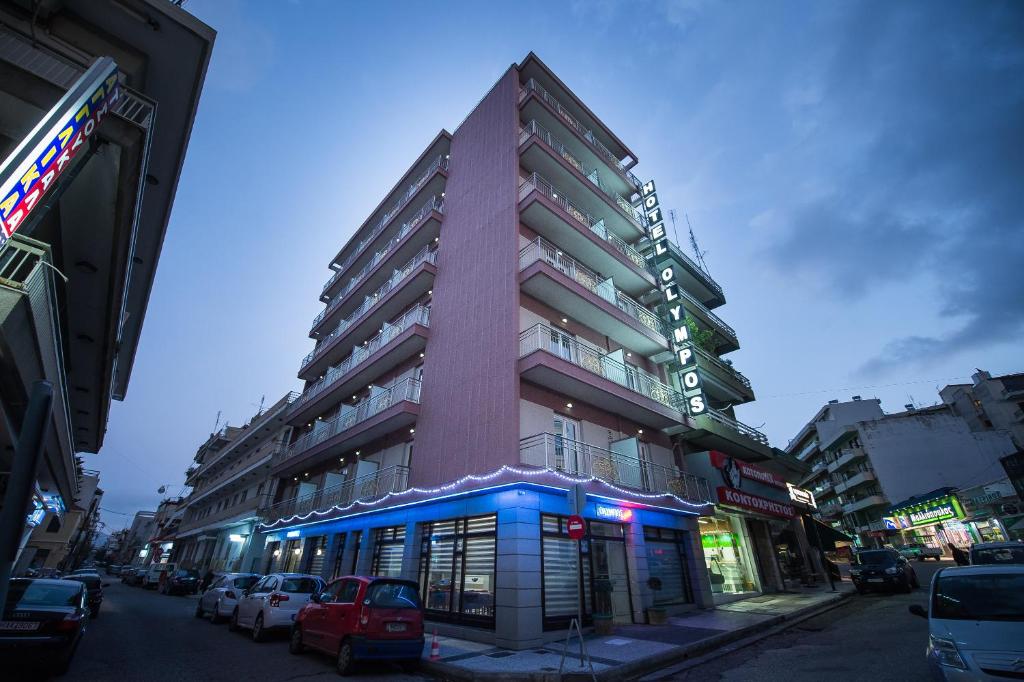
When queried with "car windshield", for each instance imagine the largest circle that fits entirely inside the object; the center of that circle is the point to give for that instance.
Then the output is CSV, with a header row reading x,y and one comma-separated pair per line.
x,y
879,558
390,595
184,573
245,582
25,595
300,585
998,555
995,596
92,582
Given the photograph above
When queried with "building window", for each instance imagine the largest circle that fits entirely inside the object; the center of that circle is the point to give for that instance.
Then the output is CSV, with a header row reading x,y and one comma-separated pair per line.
x,y
316,548
54,525
666,561
388,548
292,554
457,569
560,585
339,548
357,540
727,553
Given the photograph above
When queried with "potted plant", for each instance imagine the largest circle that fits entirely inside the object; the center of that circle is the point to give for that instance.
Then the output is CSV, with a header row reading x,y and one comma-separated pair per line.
x,y
603,606
656,615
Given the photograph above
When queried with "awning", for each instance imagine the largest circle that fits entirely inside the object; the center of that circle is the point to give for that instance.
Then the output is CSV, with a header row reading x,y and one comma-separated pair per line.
x,y
828,536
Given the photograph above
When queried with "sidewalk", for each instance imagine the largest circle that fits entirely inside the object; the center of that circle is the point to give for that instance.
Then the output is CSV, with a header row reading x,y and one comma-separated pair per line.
x,y
634,650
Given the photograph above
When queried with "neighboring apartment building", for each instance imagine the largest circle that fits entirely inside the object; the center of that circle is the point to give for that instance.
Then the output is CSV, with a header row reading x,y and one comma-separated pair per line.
x,y
492,336
88,174
165,526
61,540
230,482
867,465
134,548
990,403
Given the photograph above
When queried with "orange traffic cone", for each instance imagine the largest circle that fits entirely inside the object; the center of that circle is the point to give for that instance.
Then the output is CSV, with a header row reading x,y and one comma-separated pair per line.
x,y
435,648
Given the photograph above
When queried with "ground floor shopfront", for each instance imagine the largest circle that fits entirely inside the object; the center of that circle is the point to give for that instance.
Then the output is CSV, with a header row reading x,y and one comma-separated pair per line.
x,y
497,564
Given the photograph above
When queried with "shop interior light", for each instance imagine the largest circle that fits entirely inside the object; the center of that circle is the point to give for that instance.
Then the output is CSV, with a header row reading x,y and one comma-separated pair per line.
x,y
569,405
235,537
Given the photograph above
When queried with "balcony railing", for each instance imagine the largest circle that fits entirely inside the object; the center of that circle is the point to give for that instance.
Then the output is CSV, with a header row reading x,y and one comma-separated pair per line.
x,y
573,457
418,315
724,366
393,479
715,319
542,337
440,163
426,255
253,427
748,431
570,120
404,390
596,225
694,268
435,204
542,250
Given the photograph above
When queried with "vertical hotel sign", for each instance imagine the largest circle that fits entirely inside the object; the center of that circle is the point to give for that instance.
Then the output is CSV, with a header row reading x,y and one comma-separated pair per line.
x,y
33,169
682,345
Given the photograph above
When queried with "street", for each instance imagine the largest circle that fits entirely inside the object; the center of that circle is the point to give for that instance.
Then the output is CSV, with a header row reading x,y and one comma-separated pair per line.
x,y
870,637
143,635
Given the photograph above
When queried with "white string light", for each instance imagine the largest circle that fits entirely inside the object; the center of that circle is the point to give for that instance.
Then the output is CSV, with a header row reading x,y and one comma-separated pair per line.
x,y
483,478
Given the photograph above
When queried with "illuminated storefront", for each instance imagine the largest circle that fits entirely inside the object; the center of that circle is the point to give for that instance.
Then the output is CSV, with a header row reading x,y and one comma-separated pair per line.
x,y
934,519
727,555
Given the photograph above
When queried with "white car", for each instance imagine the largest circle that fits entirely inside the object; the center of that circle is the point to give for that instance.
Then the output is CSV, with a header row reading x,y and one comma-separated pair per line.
x,y
976,623
222,596
152,578
273,602
997,553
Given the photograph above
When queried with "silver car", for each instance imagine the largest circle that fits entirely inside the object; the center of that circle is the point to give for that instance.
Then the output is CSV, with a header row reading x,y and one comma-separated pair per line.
x,y
271,604
220,599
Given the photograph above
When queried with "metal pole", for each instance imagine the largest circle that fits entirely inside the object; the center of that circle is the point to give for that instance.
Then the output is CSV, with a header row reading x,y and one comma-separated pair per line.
x,y
27,453
579,601
821,554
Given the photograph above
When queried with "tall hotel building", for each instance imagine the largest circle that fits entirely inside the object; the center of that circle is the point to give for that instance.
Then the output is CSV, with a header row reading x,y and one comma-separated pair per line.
x,y
492,335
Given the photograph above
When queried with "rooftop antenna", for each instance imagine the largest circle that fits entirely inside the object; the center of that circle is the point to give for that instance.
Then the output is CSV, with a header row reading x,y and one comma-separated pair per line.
x,y
262,400
217,423
696,249
672,215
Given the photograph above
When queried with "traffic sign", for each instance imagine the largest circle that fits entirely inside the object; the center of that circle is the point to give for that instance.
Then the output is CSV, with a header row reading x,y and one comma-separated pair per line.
x,y
577,529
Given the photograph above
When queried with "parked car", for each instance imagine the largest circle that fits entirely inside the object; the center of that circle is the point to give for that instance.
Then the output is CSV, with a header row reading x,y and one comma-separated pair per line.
x,y
182,581
152,577
222,597
357,618
113,569
975,620
84,571
919,551
997,553
273,602
94,590
43,621
133,575
882,569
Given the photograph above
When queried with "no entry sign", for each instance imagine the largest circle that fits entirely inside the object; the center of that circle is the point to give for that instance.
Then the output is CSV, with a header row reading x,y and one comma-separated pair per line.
x,y
577,529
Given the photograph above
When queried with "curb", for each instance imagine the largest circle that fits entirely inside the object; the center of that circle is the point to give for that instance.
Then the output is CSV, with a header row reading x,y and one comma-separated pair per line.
x,y
680,658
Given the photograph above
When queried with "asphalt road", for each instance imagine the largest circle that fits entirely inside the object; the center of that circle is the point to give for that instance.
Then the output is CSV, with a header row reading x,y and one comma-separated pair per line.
x,y
871,637
142,635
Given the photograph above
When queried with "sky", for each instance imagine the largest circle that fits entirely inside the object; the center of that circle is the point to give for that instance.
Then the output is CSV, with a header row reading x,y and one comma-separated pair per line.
x,y
852,170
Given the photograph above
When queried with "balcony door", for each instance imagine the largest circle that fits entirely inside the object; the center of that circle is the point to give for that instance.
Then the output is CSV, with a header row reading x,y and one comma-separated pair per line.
x,y
563,345
568,455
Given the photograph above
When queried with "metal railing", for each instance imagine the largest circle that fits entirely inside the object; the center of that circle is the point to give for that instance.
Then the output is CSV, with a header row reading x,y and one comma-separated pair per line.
x,y
440,163
696,269
435,204
724,366
715,319
748,431
393,479
418,315
426,255
596,225
574,457
404,390
588,135
542,250
253,427
542,337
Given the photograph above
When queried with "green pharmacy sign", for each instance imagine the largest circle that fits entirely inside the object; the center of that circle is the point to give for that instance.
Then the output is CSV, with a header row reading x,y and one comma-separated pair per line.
x,y
932,511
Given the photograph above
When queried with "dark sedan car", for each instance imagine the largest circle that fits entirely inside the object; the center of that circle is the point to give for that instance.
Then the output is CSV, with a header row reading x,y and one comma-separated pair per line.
x,y
94,590
882,569
182,581
43,621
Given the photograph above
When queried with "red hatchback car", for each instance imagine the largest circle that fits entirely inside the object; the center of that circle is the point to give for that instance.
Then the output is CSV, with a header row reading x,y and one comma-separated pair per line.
x,y
357,618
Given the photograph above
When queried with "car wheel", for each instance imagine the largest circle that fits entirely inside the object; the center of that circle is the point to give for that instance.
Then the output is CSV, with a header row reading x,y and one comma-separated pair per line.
x,y
233,623
258,633
345,662
295,645
199,610
215,616
409,667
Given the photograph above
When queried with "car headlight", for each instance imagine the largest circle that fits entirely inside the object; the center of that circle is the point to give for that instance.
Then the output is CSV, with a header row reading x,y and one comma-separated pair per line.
x,y
946,652
893,570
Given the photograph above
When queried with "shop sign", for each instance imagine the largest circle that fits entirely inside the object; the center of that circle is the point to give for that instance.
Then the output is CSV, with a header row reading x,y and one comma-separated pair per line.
x,y
293,534
891,523
735,470
1014,467
801,496
935,511
755,503
621,514
32,169
682,346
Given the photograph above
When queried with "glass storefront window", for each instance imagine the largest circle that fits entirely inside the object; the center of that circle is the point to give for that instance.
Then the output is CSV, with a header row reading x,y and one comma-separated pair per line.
x,y
666,561
388,549
316,548
727,554
339,548
291,555
457,564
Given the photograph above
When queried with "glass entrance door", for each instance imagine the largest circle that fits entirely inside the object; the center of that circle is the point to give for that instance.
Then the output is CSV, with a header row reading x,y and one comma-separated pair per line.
x,y
567,444
608,559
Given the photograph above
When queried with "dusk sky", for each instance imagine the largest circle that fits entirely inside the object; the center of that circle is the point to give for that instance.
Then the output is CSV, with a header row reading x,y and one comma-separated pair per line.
x,y
853,171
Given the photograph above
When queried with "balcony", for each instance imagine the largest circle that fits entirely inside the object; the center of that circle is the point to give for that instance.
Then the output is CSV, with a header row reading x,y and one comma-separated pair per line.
x,y
716,430
553,215
253,434
398,341
847,456
560,281
423,228
543,153
229,516
430,183
537,103
725,339
830,509
404,288
822,488
557,361
857,479
574,457
864,503
393,479
721,380
689,275
389,410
